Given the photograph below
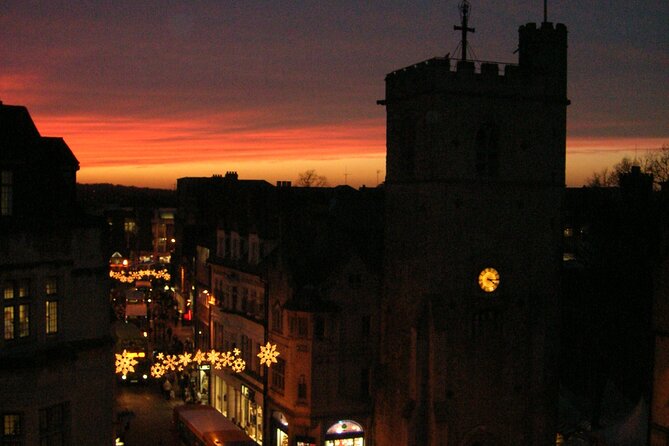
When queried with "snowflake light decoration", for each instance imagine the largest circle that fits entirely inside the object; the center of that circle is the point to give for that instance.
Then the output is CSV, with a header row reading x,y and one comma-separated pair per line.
x,y
185,359
169,363
133,276
199,357
157,370
124,363
268,354
238,365
213,356
227,359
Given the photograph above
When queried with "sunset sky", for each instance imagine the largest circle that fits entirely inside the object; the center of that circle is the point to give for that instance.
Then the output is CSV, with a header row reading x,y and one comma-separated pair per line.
x,y
145,92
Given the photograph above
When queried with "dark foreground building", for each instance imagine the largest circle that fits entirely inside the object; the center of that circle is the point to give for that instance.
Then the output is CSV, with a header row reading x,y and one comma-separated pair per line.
x,y
475,178
56,363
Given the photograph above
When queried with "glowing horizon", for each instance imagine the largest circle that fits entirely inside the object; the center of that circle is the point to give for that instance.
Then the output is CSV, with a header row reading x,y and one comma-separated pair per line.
x,y
147,93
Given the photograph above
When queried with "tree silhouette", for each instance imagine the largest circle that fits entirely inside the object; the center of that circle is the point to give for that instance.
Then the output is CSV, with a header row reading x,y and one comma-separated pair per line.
x,y
655,163
310,178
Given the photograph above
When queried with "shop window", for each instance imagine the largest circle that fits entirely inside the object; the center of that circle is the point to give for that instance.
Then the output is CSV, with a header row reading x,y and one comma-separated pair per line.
x,y
345,433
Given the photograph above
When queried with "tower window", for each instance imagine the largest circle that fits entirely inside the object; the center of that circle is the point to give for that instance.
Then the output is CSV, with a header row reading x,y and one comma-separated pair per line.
x,y
487,150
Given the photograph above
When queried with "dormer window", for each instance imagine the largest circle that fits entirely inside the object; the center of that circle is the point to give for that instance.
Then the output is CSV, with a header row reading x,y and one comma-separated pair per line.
x,y
6,193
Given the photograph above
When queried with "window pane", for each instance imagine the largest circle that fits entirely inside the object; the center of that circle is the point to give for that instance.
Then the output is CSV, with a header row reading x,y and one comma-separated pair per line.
x,y
51,316
11,424
51,286
24,288
8,291
24,320
9,322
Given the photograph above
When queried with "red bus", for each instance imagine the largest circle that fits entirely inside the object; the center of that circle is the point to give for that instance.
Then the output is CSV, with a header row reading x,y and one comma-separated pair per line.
x,y
201,425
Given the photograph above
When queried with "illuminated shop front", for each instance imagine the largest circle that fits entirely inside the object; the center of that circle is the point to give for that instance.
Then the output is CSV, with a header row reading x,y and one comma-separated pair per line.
x,y
238,402
345,433
280,429
202,381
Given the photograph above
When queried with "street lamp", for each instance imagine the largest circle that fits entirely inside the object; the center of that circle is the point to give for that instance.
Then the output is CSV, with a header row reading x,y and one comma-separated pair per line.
x,y
210,302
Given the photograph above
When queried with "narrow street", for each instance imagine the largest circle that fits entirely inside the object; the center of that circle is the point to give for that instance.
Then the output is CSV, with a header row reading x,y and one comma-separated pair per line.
x,y
152,423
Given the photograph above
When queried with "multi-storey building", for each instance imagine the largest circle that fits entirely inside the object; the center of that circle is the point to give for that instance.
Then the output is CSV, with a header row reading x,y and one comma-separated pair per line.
x,y
659,402
56,363
613,255
475,177
299,268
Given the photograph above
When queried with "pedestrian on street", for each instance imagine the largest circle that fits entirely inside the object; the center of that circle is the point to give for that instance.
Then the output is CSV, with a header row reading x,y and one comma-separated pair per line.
x,y
167,388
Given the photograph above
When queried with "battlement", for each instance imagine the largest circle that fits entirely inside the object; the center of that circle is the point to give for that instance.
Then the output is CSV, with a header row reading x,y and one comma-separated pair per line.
x,y
541,64
458,68
444,74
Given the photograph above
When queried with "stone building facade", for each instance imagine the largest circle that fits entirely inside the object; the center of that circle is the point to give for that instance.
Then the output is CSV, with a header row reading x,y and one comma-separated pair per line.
x,y
56,361
475,177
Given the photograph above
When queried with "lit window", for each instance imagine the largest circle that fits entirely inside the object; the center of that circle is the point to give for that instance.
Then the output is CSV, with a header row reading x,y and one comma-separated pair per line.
x,y
130,227
8,291
16,310
9,323
23,288
51,286
24,320
11,429
6,193
51,316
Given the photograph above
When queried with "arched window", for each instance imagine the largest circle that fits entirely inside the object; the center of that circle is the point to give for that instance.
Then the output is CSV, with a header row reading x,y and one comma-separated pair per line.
x,y
345,433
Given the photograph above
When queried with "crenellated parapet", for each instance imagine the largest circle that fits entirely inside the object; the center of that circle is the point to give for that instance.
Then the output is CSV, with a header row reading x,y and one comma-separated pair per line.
x,y
541,70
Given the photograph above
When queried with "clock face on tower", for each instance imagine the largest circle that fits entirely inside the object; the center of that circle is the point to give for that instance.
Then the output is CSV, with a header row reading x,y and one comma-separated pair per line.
x,y
489,280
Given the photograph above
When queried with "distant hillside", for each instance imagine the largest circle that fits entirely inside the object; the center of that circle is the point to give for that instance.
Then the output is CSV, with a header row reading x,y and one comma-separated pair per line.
x,y
96,196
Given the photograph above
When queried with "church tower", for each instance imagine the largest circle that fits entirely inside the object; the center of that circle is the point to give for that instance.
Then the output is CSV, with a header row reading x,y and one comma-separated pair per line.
x,y
475,177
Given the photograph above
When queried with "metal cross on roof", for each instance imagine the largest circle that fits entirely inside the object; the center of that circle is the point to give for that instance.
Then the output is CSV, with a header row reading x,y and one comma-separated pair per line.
x,y
464,17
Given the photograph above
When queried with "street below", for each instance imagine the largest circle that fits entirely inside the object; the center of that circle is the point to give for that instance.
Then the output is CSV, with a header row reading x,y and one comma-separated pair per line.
x,y
150,416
